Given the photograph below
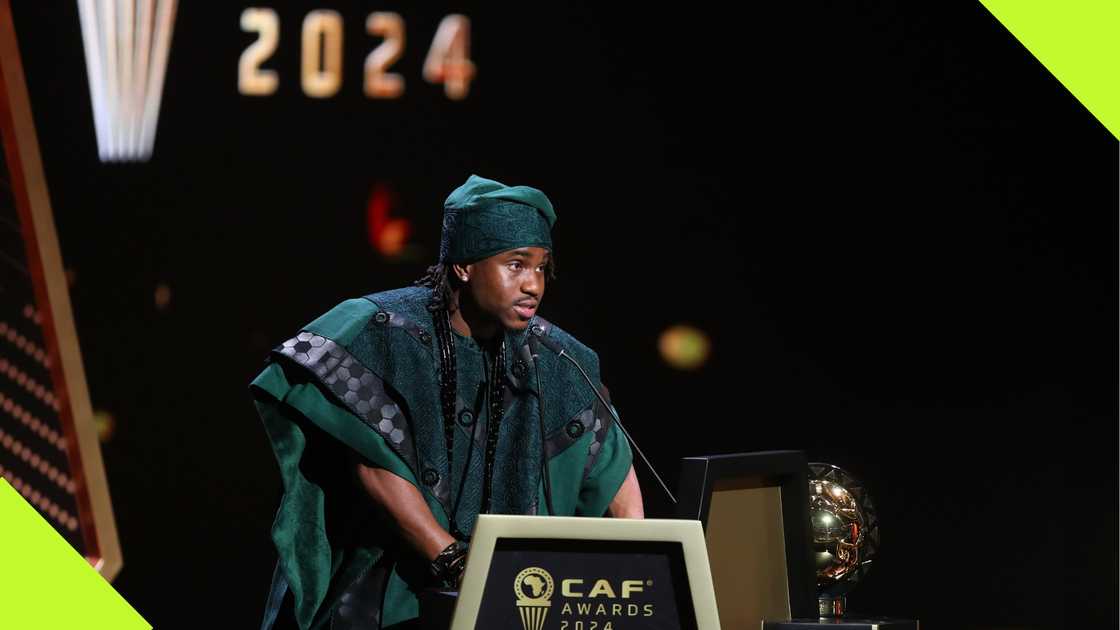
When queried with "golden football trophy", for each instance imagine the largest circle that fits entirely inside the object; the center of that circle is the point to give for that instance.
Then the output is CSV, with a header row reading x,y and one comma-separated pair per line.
x,y
845,532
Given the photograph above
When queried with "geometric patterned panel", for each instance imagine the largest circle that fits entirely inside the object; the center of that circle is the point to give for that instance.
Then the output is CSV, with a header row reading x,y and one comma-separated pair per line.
x,y
361,391
599,430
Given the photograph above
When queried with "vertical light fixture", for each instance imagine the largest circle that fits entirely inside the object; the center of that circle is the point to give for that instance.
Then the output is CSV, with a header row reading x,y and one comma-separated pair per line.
x,y
126,45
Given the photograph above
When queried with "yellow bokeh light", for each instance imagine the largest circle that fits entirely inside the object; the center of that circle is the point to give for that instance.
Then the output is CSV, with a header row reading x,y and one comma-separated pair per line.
x,y
684,347
106,425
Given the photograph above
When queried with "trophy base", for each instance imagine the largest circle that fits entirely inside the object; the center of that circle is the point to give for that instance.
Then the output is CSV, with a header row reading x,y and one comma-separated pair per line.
x,y
842,623
831,607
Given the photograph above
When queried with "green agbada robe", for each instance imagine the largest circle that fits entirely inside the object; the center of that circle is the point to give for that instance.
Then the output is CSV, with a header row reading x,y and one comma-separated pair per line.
x,y
360,383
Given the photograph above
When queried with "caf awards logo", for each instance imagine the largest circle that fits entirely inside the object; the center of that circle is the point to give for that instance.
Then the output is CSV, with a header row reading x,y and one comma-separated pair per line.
x,y
533,588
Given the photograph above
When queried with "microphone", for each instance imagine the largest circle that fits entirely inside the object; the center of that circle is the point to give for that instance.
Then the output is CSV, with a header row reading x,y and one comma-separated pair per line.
x,y
534,351
537,334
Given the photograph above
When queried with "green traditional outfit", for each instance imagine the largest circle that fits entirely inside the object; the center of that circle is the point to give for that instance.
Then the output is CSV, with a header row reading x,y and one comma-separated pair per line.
x,y
361,384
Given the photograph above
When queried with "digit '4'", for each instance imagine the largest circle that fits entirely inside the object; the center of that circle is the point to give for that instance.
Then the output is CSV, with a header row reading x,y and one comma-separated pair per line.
x,y
448,60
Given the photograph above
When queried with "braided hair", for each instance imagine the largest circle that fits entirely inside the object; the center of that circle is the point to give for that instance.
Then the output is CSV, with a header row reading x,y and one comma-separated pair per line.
x,y
443,284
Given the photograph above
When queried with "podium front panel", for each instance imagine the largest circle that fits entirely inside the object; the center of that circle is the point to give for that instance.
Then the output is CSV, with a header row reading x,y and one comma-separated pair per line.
x,y
538,584
573,573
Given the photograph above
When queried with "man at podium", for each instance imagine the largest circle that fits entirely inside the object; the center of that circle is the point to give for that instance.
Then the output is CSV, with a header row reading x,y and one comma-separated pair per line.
x,y
398,417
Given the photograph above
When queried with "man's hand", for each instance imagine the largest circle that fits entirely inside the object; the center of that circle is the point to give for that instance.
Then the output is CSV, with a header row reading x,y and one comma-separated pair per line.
x,y
406,506
627,502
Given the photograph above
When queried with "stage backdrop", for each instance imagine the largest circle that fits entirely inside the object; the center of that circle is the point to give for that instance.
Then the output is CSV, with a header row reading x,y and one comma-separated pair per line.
x,y
895,228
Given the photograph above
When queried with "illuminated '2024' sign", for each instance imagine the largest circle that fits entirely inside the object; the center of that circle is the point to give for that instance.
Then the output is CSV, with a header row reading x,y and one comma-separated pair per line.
x,y
448,61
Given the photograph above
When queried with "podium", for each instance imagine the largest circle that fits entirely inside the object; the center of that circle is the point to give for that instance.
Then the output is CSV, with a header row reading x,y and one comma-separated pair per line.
x,y
740,553
570,573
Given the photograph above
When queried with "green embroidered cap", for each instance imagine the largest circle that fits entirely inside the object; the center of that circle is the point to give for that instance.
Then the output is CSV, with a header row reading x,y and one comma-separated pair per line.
x,y
484,217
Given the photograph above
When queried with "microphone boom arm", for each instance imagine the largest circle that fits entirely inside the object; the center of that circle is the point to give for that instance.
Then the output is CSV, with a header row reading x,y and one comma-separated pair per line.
x,y
564,354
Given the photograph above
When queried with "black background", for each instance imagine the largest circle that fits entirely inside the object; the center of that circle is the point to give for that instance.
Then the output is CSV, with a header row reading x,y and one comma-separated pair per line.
x,y
899,230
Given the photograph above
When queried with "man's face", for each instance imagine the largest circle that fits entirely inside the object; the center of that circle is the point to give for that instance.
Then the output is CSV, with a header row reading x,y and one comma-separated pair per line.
x,y
508,287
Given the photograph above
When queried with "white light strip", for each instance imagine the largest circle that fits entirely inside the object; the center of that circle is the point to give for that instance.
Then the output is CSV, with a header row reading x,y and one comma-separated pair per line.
x,y
96,74
161,46
144,24
127,43
108,35
125,50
